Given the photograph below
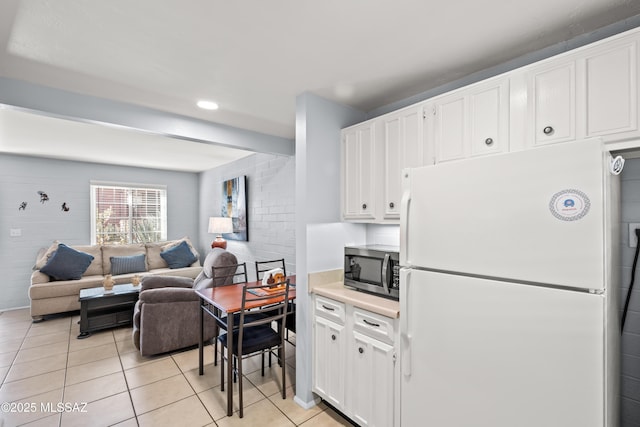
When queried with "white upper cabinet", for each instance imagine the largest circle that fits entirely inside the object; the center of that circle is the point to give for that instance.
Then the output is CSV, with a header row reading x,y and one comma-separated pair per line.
x,y
611,82
489,118
358,171
472,121
590,92
449,127
552,103
403,147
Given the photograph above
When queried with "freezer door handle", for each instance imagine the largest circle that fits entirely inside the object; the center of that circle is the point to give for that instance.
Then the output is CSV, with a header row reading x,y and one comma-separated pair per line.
x,y
405,334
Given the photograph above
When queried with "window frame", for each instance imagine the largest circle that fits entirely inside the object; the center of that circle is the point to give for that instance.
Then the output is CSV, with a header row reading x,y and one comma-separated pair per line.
x,y
129,186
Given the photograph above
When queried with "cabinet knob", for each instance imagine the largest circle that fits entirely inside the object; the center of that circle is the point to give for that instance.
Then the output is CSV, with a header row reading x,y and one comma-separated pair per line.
x,y
333,337
488,141
392,205
548,130
364,206
360,350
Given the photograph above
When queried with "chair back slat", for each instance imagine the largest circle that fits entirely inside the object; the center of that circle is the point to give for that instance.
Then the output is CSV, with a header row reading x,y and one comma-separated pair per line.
x,y
262,266
229,274
277,296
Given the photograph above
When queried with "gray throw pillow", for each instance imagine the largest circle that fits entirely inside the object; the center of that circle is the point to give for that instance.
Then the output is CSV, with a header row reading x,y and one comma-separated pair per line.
x,y
127,264
67,263
179,256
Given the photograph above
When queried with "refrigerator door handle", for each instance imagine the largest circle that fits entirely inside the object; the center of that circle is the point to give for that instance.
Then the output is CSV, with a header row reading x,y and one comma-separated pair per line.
x,y
405,335
405,204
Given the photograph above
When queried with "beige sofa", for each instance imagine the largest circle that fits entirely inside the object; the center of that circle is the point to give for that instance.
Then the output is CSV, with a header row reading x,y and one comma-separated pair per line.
x,y
58,296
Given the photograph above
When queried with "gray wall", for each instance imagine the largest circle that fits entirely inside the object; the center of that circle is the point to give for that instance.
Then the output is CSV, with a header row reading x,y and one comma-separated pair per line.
x,y
320,237
631,336
271,208
65,181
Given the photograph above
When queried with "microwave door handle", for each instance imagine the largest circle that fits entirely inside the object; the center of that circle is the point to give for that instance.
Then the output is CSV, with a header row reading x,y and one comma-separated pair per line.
x,y
385,272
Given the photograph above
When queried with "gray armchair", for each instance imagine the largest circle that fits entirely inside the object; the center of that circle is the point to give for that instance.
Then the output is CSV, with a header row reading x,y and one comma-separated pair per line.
x,y
166,316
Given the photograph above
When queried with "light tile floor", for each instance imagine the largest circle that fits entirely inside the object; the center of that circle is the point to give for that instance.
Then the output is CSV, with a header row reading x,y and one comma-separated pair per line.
x,y
48,375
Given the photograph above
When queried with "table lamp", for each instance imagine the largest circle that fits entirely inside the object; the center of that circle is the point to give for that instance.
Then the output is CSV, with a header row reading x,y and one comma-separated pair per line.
x,y
219,225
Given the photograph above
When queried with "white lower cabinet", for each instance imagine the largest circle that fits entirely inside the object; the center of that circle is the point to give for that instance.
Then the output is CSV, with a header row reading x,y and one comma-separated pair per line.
x,y
357,375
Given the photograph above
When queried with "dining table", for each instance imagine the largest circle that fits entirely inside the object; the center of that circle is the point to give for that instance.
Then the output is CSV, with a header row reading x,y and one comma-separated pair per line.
x,y
228,299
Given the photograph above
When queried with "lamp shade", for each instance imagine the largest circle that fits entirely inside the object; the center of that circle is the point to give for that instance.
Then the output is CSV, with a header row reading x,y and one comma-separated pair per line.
x,y
218,225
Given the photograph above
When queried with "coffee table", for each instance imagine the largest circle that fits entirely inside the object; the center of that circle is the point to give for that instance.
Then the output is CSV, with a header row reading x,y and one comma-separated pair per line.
x,y
100,309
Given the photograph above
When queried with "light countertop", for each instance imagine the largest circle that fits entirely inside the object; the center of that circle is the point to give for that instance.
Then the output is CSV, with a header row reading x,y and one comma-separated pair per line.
x,y
373,303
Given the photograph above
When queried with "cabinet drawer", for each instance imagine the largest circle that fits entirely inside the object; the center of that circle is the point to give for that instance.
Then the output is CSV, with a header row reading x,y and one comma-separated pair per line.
x,y
373,325
330,309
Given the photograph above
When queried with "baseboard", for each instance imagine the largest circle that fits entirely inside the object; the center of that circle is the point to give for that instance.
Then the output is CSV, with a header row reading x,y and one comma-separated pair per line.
x,y
306,405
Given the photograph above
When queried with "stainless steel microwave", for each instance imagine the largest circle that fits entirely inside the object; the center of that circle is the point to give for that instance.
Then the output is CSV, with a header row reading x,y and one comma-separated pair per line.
x,y
373,268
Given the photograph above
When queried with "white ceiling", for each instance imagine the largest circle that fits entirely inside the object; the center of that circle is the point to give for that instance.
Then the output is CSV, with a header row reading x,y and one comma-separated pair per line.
x,y
254,57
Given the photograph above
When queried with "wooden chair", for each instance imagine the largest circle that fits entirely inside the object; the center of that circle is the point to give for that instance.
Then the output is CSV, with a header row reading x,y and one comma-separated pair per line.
x,y
261,268
256,335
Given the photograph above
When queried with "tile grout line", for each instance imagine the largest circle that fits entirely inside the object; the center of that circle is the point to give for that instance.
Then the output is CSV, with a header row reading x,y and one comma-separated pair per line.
x,y
126,382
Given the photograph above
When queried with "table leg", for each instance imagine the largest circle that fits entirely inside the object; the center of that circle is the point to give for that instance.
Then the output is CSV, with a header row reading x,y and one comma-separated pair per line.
x,y
201,340
230,364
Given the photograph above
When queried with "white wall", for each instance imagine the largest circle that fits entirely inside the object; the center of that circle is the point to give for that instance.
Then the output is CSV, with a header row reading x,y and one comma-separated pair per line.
x,y
271,208
64,181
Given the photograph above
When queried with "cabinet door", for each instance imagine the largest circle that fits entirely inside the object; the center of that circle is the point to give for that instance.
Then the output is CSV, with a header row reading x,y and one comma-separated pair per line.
x,y
358,168
372,370
403,148
552,104
489,117
450,128
328,364
612,89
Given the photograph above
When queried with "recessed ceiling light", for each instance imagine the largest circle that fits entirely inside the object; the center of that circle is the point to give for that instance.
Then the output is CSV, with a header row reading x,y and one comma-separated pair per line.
x,y
207,105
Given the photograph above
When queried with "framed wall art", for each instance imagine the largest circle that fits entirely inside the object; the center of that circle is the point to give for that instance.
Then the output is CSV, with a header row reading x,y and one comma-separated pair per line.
x,y
234,205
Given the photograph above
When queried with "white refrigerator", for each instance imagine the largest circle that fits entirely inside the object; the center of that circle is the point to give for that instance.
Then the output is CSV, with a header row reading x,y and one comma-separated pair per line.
x,y
508,290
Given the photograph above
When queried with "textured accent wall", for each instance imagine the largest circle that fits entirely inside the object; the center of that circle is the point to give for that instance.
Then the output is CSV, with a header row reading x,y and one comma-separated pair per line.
x,y
66,181
271,208
630,345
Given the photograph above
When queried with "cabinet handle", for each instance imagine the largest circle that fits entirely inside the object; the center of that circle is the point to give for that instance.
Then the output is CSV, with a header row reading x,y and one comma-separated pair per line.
x,y
392,205
333,337
548,130
328,308
488,141
364,206
360,350
377,325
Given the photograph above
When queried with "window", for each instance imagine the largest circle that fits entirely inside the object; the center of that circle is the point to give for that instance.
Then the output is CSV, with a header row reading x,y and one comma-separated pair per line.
x,y
128,213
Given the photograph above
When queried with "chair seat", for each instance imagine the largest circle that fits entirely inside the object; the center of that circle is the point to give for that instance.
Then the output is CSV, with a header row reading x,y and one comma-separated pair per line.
x,y
254,339
248,317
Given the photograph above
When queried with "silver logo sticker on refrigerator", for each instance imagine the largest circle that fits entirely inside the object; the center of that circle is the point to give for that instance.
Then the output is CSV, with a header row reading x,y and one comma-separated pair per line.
x,y
569,205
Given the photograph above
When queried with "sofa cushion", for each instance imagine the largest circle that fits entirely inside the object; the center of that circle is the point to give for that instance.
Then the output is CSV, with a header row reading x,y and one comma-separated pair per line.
x,y
64,288
67,263
154,260
95,268
128,264
45,254
109,251
179,256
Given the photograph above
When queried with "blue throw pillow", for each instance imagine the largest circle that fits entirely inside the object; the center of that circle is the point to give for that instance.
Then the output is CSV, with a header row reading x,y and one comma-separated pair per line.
x,y
127,264
179,256
67,264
